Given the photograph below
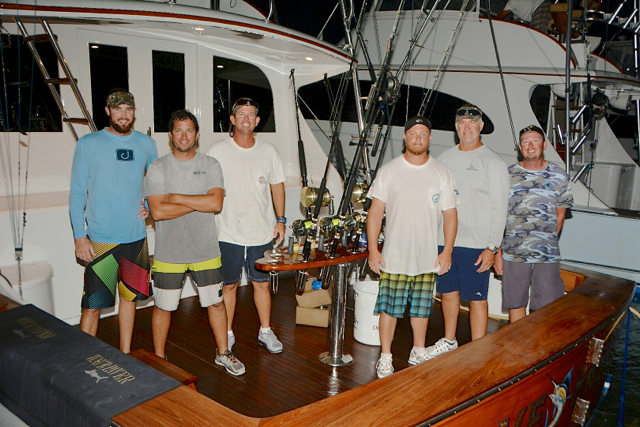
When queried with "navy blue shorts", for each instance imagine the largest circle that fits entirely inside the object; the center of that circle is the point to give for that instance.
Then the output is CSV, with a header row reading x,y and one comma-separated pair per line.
x,y
463,276
234,257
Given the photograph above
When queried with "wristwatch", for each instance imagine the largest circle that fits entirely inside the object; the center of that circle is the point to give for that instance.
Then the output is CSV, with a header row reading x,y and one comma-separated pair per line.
x,y
493,249
281,219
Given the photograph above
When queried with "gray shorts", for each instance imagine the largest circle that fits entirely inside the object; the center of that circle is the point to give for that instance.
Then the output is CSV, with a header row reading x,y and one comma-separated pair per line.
x,y
544,279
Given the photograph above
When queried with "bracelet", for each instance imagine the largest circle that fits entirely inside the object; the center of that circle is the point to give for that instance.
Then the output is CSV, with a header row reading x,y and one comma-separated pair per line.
x,y
281,219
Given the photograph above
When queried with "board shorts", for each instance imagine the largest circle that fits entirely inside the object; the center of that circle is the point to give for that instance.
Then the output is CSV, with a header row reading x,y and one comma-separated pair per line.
x,y
398,290
122,266
169,278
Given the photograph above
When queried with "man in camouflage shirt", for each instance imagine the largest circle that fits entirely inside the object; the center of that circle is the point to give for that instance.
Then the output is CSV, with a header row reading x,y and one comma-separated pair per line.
x,y
538,200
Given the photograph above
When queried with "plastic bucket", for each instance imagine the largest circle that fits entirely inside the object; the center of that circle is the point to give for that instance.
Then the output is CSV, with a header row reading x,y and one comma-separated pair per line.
x,y
365,323
36,283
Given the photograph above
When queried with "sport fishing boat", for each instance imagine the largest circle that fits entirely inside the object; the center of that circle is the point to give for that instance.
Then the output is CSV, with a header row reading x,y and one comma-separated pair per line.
x,y
172,57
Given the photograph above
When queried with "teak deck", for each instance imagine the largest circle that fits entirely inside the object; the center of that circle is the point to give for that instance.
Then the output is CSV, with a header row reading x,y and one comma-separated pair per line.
x,y
273,383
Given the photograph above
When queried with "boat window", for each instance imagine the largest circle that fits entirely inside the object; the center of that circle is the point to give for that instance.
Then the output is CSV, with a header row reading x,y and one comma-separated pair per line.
x,y
169,92
27,104
440,110
235,79
109,68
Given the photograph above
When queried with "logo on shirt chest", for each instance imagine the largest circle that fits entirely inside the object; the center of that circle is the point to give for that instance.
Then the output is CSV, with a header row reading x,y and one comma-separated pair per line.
x,y
471,168
199,172
124,155
262,180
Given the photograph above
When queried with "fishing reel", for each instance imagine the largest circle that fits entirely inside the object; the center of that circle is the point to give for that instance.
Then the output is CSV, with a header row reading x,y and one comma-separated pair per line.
x,y
309,196
360,191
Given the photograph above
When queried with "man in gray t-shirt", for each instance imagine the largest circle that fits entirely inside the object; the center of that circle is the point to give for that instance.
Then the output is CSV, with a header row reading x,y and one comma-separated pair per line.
x,y
185,189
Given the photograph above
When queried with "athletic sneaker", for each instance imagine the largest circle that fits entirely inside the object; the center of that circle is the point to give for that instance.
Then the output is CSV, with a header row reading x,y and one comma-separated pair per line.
x,y
230,363
384,367
269,340
440,347
417,357
231,341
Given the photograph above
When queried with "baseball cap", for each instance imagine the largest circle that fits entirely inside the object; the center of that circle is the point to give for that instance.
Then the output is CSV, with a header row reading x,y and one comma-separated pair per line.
x,y
121,97
532,128
417,120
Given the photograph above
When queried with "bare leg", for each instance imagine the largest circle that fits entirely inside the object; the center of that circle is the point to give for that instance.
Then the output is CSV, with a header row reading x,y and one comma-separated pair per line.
x,y
419,326
218,322
126,321
262,300
229,293
160,323
517,314
89,321
450,311
387,331
478,317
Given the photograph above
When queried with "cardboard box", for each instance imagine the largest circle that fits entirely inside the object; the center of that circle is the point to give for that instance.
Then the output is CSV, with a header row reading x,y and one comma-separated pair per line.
x,y
313,316
313,298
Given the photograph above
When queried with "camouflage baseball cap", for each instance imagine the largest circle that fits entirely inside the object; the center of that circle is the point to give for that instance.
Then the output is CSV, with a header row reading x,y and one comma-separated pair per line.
x,y
121,97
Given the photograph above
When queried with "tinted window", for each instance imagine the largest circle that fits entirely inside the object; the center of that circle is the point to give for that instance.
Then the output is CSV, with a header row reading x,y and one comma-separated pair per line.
x,y
27,104
440,110
109,68
168,87
235,79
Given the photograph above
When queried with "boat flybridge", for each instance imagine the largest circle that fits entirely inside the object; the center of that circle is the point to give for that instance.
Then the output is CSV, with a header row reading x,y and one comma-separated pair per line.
x,y
173,57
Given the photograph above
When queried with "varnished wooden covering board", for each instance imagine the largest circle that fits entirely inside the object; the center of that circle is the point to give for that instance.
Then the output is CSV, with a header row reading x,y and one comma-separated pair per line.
x,y
182,407
418,394
7,304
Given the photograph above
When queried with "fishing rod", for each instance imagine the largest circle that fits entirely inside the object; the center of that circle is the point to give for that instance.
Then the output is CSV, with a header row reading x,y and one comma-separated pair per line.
x,y
368,117
301,154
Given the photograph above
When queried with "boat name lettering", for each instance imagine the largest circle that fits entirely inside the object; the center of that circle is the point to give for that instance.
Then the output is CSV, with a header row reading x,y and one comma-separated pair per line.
x,y
34,328
103,364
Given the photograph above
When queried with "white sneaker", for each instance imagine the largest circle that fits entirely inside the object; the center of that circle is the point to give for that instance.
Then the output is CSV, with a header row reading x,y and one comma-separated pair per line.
x,y
440,347
270,341
384,367
417,356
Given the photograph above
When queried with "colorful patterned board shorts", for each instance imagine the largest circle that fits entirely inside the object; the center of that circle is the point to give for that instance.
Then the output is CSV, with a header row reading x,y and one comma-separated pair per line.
x,y
398,290
125,266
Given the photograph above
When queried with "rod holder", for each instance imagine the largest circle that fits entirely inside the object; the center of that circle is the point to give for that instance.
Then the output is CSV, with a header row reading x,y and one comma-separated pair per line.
x,y
335,355
301,281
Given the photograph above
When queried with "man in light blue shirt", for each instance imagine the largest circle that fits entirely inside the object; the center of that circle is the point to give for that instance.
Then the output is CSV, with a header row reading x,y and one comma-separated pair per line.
x,y
108,224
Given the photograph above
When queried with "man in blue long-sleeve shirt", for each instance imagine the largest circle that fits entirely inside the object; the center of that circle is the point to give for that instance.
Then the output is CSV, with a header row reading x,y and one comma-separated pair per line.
x,y
108,224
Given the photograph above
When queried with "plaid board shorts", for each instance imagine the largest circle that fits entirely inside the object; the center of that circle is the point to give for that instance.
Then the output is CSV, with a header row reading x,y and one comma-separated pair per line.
x,y
122,266
398,290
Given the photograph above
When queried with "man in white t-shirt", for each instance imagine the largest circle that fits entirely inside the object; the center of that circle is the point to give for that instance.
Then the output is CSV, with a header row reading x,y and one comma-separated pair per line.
x,y
416,190
253,214
483,187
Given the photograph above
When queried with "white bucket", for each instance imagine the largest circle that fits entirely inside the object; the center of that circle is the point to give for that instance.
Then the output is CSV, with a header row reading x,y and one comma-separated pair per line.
x,y
365,323
36,283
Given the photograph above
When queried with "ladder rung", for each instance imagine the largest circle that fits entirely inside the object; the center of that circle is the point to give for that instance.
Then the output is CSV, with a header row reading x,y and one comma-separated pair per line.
x,y
60,81
19,84
81,121
39,38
